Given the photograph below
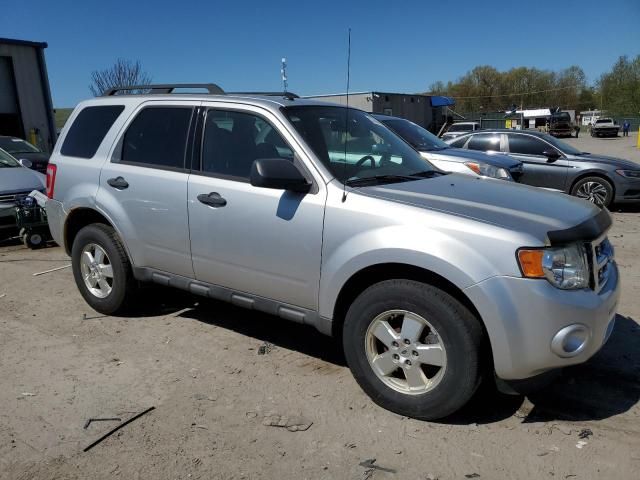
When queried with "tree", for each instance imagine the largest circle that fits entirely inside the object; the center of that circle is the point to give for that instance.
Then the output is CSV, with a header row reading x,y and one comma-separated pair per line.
x,y
124,73
619,89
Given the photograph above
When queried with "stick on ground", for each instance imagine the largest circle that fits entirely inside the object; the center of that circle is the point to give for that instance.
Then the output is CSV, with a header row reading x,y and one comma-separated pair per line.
x,y
112,431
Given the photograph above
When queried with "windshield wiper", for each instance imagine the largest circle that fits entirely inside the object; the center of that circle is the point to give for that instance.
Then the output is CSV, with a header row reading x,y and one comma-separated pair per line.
x,y
377,179
427,174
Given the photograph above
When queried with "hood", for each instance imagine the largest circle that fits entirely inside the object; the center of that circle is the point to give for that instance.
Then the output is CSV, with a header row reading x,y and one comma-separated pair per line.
x,y
517,207
20,179
497,160
604,159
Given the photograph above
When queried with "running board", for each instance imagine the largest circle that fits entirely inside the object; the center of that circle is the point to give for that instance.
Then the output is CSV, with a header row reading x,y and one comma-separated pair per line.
x,y
239,299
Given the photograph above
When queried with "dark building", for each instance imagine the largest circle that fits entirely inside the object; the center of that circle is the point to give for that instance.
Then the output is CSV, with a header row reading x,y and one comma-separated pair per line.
x,y
26,110
424,110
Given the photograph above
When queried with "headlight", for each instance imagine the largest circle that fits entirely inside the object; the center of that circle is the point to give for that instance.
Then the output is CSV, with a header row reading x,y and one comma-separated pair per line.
x,y
486,170
564,267
629,173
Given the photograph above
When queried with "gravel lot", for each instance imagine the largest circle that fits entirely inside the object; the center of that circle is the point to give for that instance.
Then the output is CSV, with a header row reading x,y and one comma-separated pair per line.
x,y
199,363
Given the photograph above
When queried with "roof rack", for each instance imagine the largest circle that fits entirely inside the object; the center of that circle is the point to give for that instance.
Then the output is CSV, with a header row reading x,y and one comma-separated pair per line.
x,y
211,88
287,95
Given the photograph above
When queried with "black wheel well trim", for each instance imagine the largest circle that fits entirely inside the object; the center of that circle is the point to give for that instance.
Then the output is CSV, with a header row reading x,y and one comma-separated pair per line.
x,y
79,218
377,273
594,173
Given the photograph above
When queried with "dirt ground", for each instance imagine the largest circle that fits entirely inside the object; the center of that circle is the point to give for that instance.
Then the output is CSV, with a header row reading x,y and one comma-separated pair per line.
x,y
199,363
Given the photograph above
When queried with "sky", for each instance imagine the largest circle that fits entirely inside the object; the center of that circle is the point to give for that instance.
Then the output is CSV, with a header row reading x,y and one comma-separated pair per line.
x,y
396,46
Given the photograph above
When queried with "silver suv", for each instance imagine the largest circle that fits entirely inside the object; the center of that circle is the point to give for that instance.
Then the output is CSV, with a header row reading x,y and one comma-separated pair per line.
x,y
321,215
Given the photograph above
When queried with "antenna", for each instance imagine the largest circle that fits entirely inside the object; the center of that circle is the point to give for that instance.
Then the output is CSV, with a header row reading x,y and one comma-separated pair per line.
x,y
346,123
283,71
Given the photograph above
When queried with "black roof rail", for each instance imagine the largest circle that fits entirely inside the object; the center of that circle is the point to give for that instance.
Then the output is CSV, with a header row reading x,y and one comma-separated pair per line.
x,y
287,95
211,88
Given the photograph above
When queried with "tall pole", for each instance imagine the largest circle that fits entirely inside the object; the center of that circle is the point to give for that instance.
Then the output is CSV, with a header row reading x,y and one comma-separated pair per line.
x,y
283,71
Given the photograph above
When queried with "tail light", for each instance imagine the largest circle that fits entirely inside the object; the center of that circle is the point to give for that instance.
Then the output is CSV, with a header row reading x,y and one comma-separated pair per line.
x,y
51,179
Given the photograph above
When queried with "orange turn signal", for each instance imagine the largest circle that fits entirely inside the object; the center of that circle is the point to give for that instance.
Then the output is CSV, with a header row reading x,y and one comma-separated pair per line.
x,y
474,166
531,263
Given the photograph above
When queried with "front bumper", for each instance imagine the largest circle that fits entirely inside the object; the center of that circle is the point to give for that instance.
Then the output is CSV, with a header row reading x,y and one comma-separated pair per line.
x,y
56,217
525,319
8,225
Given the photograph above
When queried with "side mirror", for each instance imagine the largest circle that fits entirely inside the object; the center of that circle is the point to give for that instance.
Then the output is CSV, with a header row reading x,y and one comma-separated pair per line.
x,y
25,162
551,154
278,173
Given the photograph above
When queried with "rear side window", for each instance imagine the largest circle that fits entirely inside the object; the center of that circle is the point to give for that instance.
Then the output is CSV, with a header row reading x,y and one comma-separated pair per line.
x,y
459,143
157,137
88,130
485,143
526,145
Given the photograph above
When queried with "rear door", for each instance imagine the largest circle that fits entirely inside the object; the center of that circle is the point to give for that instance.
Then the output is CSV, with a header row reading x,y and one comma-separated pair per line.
x,y
538,169
143,186
261,241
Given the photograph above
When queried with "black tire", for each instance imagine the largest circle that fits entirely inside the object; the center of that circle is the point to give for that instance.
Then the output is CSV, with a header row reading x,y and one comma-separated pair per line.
x,y
459,331
124,285
34,240
600,181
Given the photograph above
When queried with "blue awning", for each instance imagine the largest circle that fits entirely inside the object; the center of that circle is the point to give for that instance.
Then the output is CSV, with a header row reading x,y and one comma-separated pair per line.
x,y
439,101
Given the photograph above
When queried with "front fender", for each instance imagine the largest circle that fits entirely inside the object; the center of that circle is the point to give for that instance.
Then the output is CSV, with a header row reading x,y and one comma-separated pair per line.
x,y
455,260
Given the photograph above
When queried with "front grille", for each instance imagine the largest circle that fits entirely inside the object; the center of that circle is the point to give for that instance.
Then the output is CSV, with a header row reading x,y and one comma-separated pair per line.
x,y
601,253
13,197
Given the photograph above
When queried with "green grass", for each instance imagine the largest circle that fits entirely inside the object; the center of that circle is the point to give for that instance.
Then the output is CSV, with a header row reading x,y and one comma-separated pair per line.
x,y
61,116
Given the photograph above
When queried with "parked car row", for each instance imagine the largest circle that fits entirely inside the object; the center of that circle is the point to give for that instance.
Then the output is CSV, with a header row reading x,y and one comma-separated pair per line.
x,y
549,162
320,214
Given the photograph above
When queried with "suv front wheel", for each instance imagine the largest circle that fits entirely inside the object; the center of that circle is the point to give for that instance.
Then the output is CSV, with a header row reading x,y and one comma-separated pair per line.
x,y
413,348
102,270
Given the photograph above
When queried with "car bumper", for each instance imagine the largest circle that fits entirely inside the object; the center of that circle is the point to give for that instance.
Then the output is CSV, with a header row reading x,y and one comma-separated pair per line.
x,y
529,321
627,189
8,225
56,217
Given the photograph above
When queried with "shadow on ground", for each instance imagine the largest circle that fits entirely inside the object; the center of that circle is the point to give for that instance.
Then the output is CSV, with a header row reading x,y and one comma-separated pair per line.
x,y
605,386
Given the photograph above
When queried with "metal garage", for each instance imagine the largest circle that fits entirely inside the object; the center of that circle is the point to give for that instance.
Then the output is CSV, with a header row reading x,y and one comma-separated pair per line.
x,y
26,110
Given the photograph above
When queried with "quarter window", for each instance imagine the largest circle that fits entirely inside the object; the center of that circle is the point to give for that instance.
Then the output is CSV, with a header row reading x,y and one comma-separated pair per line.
x,y
485,142
89,129
459,143
526,145
157,137
233,140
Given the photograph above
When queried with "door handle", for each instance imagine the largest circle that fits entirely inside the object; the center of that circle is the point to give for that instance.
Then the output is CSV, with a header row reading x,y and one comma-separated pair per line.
x,y
118,183
213,199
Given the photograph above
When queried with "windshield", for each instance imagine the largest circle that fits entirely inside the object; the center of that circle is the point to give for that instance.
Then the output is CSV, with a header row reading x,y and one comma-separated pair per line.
x,y
418,137
372,150
7,161
16,145
561,117
562,146
459,127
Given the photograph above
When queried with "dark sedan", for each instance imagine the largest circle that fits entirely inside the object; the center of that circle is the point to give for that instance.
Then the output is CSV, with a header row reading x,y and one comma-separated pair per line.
x,y
549,162
23,150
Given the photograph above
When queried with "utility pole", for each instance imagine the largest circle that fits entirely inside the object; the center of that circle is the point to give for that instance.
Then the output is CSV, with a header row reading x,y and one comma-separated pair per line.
x,y
283,71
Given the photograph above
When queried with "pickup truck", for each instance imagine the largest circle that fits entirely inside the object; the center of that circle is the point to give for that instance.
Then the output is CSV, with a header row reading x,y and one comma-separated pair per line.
x,y
605,127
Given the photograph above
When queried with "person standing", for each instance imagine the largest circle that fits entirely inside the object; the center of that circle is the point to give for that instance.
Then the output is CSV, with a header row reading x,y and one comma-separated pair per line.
x,y
626,126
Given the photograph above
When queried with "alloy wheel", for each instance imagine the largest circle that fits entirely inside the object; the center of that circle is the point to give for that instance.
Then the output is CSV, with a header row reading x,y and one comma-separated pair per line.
x,y
594,192
97,271
405,352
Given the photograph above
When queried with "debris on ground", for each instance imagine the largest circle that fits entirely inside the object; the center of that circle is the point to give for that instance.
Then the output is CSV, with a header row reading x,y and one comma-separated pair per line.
x,y
472,475
369,464
91,420
581,444
112,431
265,348
3,295
28,394
585,433
563,428
51,270
293,424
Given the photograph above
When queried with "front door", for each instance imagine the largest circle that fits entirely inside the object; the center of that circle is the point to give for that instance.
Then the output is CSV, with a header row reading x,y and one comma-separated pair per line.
x,y
260,241
143,188
539,170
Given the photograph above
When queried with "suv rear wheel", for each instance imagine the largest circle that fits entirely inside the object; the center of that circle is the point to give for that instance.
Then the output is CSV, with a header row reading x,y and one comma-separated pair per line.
x,y
102,270
414,349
